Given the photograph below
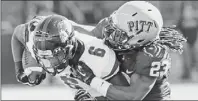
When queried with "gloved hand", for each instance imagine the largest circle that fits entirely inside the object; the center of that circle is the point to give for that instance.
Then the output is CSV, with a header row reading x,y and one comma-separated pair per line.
x,y
28,77
35,75
20,75
84,73
22,78
82,95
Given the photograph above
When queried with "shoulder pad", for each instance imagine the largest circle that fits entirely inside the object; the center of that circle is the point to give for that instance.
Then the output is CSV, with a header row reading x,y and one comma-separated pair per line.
x,y
155,50
19,32
20,28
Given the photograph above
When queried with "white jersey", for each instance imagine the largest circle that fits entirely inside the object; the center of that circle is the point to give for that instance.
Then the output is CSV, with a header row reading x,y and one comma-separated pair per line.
x,y
99,57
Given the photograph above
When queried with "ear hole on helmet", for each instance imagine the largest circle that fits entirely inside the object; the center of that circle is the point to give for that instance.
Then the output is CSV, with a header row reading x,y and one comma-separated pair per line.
x,y
140,40
149,10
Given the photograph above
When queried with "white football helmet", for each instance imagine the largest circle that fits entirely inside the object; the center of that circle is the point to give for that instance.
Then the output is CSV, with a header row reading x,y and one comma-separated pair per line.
x,y
134,24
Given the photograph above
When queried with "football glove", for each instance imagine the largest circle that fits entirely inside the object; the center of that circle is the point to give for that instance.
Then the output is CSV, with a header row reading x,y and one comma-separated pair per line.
x,y
26,78
22,78
35,75
84,73
82,95
20,75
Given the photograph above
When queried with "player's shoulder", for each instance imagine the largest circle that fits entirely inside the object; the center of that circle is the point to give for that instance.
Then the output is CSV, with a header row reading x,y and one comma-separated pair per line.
x,y
19,28
19,31
155,51
151,56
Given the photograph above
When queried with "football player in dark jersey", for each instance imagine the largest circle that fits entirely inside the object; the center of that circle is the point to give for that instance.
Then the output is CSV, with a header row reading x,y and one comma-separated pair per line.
x,y
142,45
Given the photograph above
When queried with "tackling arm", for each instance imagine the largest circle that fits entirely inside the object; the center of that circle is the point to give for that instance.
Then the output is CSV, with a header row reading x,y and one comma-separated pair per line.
x,y
95,31
85,29
139,87
142,81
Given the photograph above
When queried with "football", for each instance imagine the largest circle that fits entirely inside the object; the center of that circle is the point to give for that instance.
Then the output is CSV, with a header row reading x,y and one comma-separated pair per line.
x,y
28,60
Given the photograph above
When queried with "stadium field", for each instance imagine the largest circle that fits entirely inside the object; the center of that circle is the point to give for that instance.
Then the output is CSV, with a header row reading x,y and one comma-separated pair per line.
x,y
186,91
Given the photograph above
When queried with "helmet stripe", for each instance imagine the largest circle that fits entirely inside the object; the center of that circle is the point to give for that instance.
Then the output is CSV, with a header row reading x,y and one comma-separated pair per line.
x,y
44,29
46,25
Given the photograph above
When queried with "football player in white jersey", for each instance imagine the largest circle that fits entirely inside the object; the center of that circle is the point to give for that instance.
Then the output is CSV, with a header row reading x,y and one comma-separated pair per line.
x,y
29,71
21,44
56,46
54,43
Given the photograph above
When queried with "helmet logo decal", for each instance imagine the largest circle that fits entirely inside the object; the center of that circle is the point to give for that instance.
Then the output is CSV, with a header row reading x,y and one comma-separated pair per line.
x,y
139,26
63,36
63,28
61,25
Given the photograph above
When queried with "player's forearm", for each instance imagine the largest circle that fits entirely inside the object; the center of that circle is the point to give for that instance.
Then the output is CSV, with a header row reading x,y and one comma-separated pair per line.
x,y
85,29
122,93
16,46
127,93
133,92
17,51
17,55
139,87
18,67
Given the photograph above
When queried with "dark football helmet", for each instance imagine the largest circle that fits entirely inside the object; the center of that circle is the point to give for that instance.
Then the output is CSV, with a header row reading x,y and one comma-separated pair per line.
x,y
52,43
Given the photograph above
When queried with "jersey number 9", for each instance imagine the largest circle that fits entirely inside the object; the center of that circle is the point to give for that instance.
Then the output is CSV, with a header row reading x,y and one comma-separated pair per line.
x,y
159,68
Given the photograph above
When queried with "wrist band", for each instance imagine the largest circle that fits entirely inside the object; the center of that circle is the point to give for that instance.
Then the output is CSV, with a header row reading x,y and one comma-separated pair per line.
x,y
29,70
100,85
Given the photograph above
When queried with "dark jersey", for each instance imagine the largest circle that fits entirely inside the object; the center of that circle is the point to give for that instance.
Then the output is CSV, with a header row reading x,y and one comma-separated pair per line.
x,y
152,60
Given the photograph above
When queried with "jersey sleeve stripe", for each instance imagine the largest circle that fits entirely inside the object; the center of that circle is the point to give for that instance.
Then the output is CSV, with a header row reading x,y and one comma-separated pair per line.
x,y
26,33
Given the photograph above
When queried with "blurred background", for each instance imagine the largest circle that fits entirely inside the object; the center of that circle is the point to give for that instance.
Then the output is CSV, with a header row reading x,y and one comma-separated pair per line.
x,y
183,14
